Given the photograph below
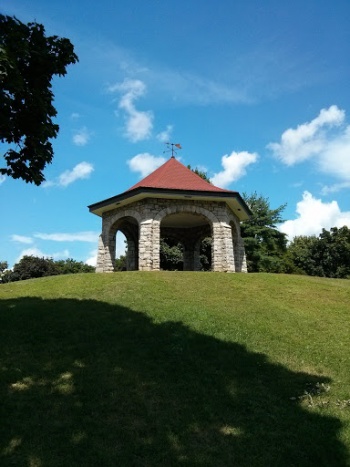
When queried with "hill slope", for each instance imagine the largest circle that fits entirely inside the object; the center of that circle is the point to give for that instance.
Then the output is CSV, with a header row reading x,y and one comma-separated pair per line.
x,y
175,369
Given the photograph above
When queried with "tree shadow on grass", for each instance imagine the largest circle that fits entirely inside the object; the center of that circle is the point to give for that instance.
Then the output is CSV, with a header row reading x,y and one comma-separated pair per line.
x,y
85,383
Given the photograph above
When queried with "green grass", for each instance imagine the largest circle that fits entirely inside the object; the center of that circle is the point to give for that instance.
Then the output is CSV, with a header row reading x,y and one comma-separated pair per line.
x,y
175,369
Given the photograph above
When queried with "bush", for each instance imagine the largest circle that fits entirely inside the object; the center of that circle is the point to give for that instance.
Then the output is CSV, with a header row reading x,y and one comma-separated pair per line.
x,y
30,267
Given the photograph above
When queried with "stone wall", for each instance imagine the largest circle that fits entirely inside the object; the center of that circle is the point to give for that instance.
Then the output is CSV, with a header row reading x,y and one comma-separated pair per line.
x,y
146,216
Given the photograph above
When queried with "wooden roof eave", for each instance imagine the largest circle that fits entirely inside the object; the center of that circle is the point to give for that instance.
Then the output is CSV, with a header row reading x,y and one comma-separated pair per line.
x,y
231,198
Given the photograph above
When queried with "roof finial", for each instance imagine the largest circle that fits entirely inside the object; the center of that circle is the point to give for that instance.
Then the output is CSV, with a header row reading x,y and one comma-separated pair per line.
x,y
170,147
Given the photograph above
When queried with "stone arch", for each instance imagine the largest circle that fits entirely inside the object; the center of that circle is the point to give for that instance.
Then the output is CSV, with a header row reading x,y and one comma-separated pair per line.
x,y
127,222
190,209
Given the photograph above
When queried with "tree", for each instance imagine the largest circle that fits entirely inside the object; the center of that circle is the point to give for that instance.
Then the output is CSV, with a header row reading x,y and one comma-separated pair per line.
x,y
327,255
265,245
171,255
3,265
201,173
28,62
301,252
30,267
120,263
71,266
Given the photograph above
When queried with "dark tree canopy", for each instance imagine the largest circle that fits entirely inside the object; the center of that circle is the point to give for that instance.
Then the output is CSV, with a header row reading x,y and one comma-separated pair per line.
x,y
327,255
30,267
28,62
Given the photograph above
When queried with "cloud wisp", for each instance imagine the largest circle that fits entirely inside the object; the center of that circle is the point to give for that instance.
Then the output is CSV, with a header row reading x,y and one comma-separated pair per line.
x,y
165,135
234,166
81,171
22,239
81,137
88,236
139,124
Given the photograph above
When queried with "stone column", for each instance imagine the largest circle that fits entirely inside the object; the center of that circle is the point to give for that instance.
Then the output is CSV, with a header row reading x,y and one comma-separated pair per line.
x,y
100,255
228,254
110,253
145,246
216,248
240,256
106,253
155,245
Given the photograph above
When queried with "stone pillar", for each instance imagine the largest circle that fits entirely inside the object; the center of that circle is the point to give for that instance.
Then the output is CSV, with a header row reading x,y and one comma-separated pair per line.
x,y
155,245
110,253
228,256
216,248
100,255
146,246
105,254
240,256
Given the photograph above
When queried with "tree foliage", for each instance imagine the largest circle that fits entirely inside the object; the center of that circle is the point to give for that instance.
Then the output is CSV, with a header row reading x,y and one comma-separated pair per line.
x,y
120,263
327,255
3,265
28,61
171,255
201,173
265,245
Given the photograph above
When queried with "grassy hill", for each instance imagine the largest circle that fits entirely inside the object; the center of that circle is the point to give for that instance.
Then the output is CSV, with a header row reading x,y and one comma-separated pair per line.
x,y
175,369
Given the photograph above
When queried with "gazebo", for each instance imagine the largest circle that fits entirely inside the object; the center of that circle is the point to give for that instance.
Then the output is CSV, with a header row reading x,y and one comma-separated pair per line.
x,y
173,202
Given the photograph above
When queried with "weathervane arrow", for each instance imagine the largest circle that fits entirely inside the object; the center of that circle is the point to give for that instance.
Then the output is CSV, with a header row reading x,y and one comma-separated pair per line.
x,y
170,147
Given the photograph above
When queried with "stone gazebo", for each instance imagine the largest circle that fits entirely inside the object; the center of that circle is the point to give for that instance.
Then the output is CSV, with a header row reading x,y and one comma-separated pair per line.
x,y
173,202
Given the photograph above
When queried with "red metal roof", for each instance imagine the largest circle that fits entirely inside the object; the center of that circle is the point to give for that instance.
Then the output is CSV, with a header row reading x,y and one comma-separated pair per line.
x,y
174,175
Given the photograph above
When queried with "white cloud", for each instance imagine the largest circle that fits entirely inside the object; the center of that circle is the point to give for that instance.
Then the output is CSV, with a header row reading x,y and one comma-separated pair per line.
x,y
234,166
91,237
145,163
75,116
329,146
2,179
139,123
21,239
164,136
38,253
313,216
335,158
81,137
80,171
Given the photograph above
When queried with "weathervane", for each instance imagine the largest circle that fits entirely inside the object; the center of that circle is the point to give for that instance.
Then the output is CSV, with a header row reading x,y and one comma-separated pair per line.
x,y
170,147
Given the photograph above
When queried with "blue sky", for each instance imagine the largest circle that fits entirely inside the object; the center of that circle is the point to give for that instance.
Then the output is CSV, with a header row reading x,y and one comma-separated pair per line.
x,y
257,93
